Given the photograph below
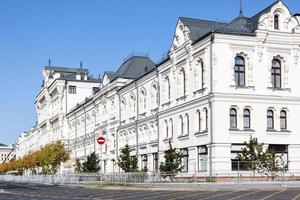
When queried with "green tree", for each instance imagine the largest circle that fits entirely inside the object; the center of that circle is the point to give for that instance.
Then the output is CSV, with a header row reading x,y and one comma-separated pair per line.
x,y
91,165
265,162
126,162
172,164
78,166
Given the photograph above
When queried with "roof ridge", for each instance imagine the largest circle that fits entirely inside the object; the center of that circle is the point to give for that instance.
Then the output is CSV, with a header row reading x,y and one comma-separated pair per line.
x,y
203,20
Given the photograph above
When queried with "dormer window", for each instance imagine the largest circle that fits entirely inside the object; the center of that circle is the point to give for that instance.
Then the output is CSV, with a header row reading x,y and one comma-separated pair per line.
x,y
276,22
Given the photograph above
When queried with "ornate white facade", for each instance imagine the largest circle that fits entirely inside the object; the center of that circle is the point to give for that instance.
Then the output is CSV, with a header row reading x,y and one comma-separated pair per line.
x,y
221,83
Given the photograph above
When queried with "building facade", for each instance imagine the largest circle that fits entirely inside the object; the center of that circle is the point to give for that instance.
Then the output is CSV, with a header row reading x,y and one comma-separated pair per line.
x,y
7,153
220,84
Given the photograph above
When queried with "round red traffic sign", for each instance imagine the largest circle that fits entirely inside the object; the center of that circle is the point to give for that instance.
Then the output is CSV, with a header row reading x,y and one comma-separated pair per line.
x,y
101,140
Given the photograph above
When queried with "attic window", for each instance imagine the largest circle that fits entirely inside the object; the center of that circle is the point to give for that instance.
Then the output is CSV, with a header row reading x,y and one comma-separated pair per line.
x,y
276,22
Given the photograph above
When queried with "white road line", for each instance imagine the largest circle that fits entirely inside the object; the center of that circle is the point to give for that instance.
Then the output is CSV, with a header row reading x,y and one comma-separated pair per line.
x,y
273,194
217,195
296,197
253,192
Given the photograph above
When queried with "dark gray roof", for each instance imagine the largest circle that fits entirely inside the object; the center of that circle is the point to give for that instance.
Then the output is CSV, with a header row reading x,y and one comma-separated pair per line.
x,y
297,14
199,27
240,25
3,145
133,68
66,69
111,75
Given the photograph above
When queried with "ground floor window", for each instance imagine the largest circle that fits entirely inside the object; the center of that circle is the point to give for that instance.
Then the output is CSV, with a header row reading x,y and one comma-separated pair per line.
x,y
144,159
236,164
281,152
155,162
184,160
202,158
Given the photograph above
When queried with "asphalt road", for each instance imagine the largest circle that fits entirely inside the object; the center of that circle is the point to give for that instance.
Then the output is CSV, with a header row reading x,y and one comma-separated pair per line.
x,y
10,191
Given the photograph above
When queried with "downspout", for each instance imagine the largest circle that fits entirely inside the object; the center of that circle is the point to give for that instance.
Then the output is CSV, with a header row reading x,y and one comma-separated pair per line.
x,y
117,132
210,106
75,142
137,119
84,131
158,106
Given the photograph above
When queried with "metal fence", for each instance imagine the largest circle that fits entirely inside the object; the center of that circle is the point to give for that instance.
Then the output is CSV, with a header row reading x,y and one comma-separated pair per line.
x,y
233,172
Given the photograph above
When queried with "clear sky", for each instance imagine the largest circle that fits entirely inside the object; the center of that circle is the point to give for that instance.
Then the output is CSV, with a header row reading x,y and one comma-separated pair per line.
x,y
101,33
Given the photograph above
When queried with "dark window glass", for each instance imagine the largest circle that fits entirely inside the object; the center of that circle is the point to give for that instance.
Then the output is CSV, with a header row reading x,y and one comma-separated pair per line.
x,y
185,160
72,89
247,118
233,118
276,22
239,71
270,119
283,120
276,73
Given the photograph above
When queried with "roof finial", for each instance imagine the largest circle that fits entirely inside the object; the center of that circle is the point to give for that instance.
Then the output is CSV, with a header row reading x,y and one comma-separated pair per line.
x,y
49,62
80,64
241,8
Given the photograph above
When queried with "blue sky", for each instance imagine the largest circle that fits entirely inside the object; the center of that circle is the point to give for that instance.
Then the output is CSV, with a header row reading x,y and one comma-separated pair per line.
x,y
100,33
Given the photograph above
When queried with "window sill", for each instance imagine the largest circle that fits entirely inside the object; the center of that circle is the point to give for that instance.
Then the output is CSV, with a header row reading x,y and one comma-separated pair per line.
x,y
143,114
200,133
242,87
167,139
200,91
182,137
181,98
279,89
241,130
276,132
166,104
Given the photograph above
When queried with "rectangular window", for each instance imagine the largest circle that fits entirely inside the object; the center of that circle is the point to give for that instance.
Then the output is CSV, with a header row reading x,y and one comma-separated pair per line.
x,y
202,158
281,152
144,162
155,162
236,164
185,160
72,89
95,90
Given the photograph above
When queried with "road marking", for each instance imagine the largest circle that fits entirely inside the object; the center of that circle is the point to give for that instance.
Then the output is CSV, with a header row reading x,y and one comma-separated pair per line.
x,y
273,194
217,195
194,194
253,192
296,197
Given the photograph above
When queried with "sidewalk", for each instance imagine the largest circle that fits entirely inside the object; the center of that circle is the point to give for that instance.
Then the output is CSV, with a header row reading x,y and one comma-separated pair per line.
x,y
199,186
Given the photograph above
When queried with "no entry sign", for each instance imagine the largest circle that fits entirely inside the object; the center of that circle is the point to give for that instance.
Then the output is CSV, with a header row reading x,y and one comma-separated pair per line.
x,y
101,140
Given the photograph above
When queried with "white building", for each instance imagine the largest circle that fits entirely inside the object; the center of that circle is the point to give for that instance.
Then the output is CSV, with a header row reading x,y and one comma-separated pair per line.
x,y
62,89
7,153
220,83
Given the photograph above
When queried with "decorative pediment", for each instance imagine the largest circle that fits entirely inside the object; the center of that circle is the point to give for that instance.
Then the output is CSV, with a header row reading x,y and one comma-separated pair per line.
x,y
181,35
278,18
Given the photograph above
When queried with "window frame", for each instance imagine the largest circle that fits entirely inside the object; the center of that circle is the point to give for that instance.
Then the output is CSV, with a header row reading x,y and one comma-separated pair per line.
x,y
270,117
72,89
276,22
247,117
234,117
283,118
239,69
276,72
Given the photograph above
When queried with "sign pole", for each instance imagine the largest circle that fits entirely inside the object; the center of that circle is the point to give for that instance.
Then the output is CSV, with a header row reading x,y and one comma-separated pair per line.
x,y
101,141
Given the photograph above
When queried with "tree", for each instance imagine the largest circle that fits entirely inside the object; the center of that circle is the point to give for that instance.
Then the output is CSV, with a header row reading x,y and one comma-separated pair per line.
x,y
78,166
91,165
172,163
266,162
126,162
251,155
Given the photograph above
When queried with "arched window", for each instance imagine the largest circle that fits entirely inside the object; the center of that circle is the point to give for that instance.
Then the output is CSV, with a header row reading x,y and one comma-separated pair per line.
x,y
276,22
233,118
171,127
132,103
167,129
239,71
198,120
283,120
276,73
247,118
154,95
167,88
187,124
270,119
182,82
143,100
181,124
206,119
